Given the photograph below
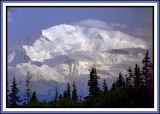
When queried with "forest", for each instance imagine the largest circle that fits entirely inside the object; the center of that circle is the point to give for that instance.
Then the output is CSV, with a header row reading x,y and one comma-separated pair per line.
x,y
133,90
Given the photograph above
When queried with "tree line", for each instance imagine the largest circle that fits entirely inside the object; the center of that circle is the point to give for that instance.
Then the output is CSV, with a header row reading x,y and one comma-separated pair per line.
x,y
132,90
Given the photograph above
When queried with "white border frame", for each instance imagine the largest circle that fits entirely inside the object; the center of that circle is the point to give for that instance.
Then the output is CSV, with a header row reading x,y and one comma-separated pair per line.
x,y
79,109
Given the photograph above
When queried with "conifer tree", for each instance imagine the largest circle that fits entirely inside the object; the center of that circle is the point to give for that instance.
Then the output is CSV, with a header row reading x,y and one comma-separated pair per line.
x,y
68,95
28,91
80,99
137,77
14,98
93,83
34,98
127,81
120,81
147,74
130,74
56,95
60,97
147,70
113,87
104,86
65,94
74,93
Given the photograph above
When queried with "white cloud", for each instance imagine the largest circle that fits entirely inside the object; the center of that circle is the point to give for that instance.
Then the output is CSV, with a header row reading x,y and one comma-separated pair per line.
x,y
123,26
100,24
93,23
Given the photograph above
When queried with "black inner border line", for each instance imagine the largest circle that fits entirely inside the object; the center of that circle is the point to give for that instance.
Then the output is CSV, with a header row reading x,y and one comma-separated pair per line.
x,y
75,7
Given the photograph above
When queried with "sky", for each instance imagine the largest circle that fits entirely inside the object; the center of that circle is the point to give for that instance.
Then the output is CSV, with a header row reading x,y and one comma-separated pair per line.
x,y
24,22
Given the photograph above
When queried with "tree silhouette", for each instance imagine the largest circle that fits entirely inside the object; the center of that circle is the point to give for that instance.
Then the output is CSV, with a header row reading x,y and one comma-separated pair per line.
x,y
56,95
127,81
74,93
93,83
68,95
65,94
28,91
147,70
14,98
104,86
34,98
130,78
113,87
137,77
60,97
147,74
120,81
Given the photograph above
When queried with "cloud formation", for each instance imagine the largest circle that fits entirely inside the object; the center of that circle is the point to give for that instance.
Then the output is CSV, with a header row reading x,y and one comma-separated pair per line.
x,y
100,24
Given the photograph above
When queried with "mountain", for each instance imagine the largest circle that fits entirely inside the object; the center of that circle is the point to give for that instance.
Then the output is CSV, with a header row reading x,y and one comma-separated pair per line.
x,y
67,52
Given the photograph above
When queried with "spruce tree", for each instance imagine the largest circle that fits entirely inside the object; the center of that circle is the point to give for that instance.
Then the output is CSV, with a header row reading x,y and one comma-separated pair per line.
x,y
74,93
147,69
34,98
68,95
65,94
147,74
113,87
93,83
104,86
130,74
60,97
120,81
14,98
56,95
137,77
28,91
127,81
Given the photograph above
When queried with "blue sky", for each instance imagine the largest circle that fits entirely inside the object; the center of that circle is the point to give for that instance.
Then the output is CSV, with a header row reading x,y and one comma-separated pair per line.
x,y
24,22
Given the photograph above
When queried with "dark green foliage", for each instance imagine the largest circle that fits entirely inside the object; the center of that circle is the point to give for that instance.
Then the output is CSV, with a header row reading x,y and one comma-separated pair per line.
x,y
113,86
147,75
137,77
68,94
130,77
104,86
127,81
93,83
56,95
65,94
14,98
147,70
120,81
28,89
34,99
74,93
60,97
